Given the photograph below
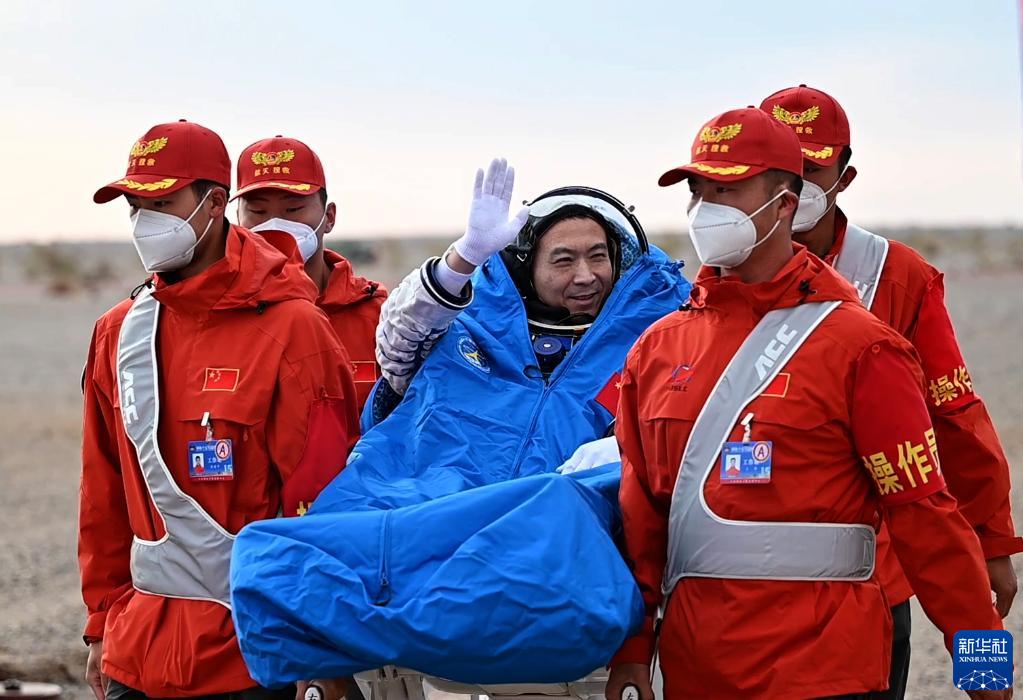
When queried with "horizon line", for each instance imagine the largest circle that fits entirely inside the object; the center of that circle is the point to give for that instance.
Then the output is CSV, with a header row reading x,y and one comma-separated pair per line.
x,y
440,235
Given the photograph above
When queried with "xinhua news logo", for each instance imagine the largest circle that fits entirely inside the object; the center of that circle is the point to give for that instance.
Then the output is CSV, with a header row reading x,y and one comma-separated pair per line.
x,y
982,660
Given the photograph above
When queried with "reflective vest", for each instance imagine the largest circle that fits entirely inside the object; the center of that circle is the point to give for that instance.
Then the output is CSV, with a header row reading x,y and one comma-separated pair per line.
x,y
702,543
861,261
193,558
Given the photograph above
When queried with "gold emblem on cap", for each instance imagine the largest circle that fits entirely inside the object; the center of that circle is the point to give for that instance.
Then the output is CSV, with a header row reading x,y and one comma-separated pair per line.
x,y
793,118
715,134
825,152
287,186
148,186
145,148
260,158
714,170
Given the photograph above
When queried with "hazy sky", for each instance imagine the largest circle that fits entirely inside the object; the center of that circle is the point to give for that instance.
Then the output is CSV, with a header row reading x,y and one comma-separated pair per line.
x,y
403,100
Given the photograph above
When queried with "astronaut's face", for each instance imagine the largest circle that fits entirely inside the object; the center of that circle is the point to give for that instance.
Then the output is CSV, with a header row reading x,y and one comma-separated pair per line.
x,y
572,266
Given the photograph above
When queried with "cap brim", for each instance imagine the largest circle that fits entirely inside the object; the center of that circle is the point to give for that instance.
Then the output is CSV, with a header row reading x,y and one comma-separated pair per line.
x,y
293,186
141,186
820,153
720,170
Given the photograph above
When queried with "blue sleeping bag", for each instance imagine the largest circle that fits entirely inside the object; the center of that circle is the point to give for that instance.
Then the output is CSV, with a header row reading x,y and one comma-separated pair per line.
x,y
446,545
518,581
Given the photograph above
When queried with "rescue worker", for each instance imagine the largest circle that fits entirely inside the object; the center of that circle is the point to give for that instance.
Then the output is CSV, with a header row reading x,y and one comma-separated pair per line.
x,y
282,187
220,355
902,289
768,576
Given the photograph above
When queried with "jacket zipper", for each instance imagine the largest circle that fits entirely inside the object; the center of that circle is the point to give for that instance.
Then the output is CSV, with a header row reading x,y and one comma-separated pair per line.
x,y
560,370
384,593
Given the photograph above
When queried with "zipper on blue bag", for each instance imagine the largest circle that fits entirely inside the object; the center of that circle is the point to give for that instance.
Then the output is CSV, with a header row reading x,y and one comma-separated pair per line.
x,y
384,594
612,303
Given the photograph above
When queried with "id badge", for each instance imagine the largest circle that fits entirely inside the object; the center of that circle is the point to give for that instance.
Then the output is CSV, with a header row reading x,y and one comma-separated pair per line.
x,y
211,460
746,462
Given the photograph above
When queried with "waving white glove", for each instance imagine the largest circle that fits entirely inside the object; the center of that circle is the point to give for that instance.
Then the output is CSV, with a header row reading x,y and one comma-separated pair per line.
x,y
591,455
489,229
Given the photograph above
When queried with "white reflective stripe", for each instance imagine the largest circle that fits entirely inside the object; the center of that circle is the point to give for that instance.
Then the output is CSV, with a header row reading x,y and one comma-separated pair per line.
x,y
192,560
153,433
861,261
703,544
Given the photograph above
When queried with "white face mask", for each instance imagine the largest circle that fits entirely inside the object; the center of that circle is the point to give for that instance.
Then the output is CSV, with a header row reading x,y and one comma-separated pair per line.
x,y
813,204
725,236
304,236
164,241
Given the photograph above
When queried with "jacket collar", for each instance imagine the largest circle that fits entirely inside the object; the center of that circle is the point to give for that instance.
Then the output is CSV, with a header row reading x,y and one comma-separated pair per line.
x,y
805,277
251,273
344,287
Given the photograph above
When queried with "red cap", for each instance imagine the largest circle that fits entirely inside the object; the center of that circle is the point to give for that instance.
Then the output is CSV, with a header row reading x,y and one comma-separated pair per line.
x,y
282,164
739,144
169,157
817,119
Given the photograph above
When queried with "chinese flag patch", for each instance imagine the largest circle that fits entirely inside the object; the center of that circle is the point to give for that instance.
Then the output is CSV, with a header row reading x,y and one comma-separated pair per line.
x,y
364,371
608,396
221,379
779,386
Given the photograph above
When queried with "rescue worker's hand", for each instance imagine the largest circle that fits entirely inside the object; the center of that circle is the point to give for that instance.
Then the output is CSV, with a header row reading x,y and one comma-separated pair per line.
x,y
990,694
590,455
96,680
489,229
333,689
1003,583
629,674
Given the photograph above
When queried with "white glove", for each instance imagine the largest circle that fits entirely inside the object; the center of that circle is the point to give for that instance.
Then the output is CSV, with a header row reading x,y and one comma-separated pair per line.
x,y
489,229
590,455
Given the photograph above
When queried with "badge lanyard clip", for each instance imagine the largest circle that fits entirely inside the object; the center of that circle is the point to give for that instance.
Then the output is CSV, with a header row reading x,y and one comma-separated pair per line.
x,y
747,427
207,422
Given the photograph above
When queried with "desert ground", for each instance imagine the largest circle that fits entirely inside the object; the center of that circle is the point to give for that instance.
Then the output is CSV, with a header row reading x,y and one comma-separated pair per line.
x,y
50,297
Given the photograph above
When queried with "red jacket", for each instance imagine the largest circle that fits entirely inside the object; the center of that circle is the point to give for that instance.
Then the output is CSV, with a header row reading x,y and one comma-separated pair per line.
x,y
841,414
911,299
243,341
352,305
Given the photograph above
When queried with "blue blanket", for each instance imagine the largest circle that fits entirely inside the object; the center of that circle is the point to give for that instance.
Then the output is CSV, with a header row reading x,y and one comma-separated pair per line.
x,y
446,545
522,582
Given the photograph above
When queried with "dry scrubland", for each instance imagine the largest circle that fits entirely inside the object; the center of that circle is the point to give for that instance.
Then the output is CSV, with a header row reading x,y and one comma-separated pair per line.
x,y
50,296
